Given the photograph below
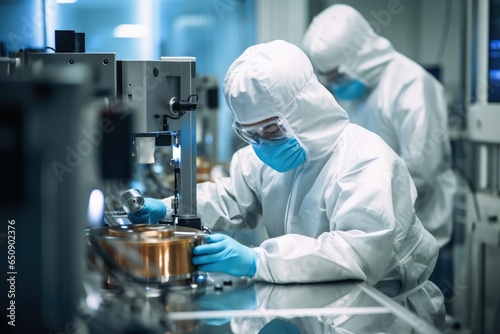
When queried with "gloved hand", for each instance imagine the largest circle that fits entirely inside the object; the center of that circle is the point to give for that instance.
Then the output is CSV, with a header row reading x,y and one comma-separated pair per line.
x,y
152,211
226,255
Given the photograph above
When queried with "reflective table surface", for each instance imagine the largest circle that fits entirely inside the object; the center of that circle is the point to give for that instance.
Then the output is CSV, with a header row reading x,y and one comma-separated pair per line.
x,y
225,304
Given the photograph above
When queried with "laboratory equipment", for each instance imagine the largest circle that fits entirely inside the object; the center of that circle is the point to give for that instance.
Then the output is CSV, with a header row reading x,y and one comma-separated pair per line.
x,y
50,170
152,255
7,67
162,95
66,131
101,66
132,200
207,89
476,290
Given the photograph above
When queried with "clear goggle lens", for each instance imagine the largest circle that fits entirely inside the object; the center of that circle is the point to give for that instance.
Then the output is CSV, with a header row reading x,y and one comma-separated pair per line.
x,y
270,130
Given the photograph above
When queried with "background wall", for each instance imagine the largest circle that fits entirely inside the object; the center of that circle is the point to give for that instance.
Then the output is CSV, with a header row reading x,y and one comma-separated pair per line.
x,y
21,25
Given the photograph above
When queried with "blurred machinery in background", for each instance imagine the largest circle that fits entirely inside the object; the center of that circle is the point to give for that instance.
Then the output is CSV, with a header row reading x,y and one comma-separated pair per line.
x,y
207,89
161,98
476,292
77,129
50,173
7,67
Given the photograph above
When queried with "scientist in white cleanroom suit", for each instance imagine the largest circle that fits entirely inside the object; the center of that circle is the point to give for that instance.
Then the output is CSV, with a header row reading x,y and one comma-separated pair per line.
x,y
391,95
334,198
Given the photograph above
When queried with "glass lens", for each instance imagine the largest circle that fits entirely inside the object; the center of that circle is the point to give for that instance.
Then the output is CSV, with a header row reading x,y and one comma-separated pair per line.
x,y
270,130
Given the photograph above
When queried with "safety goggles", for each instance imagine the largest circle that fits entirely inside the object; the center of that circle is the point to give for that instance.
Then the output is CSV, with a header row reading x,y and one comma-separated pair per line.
x,y
272,129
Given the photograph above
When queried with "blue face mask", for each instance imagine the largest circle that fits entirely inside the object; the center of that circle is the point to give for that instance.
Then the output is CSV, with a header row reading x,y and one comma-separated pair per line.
x,y
352,90
281,155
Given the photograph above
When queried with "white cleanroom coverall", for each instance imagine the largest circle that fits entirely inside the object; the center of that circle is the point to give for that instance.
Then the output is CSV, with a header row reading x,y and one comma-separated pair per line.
x,y
345,213
404,105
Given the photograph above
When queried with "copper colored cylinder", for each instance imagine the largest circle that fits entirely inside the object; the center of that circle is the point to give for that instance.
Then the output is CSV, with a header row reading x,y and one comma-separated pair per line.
x,y
150,252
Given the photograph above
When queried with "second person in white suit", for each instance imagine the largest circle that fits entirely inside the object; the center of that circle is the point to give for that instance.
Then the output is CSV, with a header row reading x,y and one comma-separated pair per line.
x,y
391,95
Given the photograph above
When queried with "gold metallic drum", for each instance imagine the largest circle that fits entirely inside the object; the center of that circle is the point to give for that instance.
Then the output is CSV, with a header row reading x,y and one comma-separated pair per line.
x,y
151,253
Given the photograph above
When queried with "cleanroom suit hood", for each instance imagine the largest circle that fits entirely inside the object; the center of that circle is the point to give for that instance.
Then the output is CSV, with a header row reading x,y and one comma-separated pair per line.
x,y
345,213
340,35
253,95
404,105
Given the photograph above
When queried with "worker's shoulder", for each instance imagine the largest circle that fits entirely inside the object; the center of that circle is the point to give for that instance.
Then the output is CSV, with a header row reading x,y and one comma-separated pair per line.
x,y
367,143
245,153
403,69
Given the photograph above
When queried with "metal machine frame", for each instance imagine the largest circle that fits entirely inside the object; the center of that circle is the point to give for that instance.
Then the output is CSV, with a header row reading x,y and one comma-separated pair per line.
x,y
477,292
159,94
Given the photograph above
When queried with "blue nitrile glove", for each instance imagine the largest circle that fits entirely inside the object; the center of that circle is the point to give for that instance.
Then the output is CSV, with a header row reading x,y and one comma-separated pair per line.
x,y
226,255
152,211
